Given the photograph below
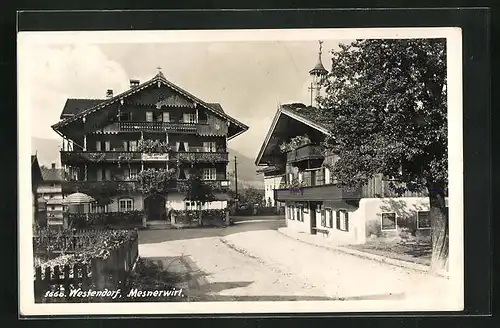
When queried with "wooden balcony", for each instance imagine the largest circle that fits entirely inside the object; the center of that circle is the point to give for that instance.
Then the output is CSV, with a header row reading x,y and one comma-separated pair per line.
x,y
328,192
75,157
71,157
305,153
200,157
69,187
158,127
216,185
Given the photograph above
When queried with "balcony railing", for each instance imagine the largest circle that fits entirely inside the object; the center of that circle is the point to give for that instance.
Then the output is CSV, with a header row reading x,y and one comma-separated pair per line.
x,y
200,157
157,127
69,187
68,157
216,185
100,156
305,152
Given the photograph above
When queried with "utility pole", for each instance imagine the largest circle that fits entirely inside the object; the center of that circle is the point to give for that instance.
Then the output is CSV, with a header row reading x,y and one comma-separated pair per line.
x,y
236,177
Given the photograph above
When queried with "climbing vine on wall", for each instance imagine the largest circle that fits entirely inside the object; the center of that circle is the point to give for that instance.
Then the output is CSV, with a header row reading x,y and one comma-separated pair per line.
x,y
155,180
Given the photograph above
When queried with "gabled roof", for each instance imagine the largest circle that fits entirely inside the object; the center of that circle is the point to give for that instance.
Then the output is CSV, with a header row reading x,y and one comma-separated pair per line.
x,y
76,106
50,174
217,107
158,79
308,115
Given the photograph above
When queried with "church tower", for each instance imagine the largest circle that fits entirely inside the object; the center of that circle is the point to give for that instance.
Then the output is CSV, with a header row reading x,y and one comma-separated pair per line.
x,y
317,74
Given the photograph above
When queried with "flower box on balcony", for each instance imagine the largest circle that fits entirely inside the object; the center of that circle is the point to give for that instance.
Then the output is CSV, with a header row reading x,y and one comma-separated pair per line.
x,y
154,157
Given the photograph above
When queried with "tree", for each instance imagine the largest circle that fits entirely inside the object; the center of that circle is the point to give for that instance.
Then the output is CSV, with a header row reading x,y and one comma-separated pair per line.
x,y
252,196
199,192
385,105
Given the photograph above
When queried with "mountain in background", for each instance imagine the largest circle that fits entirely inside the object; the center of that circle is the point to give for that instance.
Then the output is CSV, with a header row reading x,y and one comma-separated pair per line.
x,y
47,151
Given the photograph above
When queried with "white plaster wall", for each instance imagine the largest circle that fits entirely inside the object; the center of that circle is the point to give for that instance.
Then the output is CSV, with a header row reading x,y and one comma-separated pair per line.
x,y
177,202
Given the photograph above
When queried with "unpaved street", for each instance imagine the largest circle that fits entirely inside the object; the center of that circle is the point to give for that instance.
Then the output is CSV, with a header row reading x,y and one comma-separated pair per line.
x,y
252,261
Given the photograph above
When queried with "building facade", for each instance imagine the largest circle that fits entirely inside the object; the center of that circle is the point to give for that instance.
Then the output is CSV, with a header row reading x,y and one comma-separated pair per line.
x,y
50,189
38,208
274,179
153,127
292,154
315,204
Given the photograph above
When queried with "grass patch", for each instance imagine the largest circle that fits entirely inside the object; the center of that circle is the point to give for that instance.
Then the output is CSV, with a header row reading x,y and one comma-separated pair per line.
x,y
418,252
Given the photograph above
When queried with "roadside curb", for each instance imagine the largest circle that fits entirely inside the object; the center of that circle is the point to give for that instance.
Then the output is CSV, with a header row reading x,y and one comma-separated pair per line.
x,y
373,257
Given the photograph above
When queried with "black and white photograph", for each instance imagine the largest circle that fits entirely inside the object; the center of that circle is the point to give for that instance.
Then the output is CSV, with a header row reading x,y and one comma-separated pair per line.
x,y
308,170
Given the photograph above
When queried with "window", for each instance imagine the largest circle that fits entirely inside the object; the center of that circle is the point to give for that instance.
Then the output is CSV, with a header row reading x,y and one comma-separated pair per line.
x,y
327,176
209,146
209,173
300,215
292,208
98,146
94,208
343,220
133,173
329,218
107,145
189,118
388,221
323,219
423,220
125,117
132,146
126,205
149,116
166,117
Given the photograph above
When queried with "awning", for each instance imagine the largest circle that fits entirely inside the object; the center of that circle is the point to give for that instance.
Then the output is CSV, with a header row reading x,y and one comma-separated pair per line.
x,y
77,198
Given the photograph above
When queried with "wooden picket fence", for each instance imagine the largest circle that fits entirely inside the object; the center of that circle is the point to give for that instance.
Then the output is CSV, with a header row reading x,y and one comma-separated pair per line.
x,y
111,273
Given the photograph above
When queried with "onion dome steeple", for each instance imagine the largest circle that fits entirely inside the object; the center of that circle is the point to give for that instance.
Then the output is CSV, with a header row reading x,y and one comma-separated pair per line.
x,y
317,74
319,69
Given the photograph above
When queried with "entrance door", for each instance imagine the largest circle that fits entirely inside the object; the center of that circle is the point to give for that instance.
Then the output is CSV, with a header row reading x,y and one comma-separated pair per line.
x,y
155,208
312,214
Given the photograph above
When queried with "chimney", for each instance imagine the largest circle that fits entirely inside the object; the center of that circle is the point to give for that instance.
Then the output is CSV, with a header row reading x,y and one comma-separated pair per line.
x,y
109,93
134,83
53,166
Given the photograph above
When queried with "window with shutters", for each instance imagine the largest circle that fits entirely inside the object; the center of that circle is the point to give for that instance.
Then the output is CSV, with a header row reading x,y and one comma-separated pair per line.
x,y
323,219
149,116
329,218
166,117
342,220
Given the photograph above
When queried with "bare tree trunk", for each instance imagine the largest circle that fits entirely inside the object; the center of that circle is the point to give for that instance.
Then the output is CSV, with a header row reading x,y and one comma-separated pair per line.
x,y
439,224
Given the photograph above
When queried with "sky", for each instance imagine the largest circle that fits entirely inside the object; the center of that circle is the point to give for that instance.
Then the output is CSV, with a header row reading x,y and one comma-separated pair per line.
x,y
249,79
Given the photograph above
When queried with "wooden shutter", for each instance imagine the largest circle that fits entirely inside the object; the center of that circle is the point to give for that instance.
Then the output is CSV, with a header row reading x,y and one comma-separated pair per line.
x,y
338,219
346,215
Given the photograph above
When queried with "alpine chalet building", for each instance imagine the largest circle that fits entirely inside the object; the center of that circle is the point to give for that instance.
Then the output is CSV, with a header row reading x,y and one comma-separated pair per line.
x,y
297,167
152,125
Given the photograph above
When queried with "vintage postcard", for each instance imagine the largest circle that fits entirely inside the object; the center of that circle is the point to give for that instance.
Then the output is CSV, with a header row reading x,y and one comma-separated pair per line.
x,y
240,171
